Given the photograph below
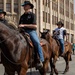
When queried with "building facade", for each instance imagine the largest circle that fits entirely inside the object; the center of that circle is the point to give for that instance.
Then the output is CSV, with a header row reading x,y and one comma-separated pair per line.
x,y
48,13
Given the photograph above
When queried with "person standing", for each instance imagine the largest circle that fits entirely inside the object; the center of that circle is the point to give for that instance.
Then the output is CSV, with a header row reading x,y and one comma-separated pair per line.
x,y
73,47
28,24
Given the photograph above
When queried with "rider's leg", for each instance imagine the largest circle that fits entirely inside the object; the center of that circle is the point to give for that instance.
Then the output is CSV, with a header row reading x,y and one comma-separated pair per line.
x,y
36,42
62,45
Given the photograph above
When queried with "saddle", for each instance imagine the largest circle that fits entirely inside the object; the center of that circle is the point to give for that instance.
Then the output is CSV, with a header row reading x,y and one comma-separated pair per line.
x,y
35,56
29,41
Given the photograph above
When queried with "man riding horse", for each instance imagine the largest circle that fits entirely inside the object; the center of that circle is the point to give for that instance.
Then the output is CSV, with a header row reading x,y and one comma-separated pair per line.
x,y
2,17
28,24
60,33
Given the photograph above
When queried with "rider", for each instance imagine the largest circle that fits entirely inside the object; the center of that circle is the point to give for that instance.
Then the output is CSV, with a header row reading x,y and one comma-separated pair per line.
x,y
28,23
2,16
60,33
2,20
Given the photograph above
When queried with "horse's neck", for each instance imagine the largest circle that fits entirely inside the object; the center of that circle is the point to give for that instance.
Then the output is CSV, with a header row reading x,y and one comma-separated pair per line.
x,y
50,39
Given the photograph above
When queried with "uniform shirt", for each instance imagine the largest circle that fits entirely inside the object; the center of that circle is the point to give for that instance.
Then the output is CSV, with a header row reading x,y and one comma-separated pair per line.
x,y
60,32
28,18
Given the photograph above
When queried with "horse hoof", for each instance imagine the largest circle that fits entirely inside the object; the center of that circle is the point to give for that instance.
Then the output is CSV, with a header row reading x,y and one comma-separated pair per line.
x,y
56,72
51,74
65,71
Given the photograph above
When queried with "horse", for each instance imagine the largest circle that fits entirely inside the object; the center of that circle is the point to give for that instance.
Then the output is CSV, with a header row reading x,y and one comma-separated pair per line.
x,y
18,55
56,52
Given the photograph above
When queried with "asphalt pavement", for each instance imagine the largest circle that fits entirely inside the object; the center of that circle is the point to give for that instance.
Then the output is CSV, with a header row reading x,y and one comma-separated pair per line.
x,y
60,65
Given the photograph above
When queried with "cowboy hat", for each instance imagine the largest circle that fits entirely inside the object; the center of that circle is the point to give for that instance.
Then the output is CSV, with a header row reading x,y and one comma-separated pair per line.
x,y
59,23
28,3
1,11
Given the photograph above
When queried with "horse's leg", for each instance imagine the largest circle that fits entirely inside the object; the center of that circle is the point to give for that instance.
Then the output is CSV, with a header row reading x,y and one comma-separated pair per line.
x,y
9,70
54,64
18,69
45,68
67,59
24,69
51,65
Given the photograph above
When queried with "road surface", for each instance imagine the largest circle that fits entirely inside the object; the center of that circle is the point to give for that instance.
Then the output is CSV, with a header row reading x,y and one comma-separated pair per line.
x,y
60,66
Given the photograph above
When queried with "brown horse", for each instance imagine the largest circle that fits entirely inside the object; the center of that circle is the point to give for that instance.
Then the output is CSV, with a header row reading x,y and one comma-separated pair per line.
x,y
17,55
57,52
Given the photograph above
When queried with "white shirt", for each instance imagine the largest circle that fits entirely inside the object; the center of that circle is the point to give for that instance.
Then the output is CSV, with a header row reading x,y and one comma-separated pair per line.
x,y
60,30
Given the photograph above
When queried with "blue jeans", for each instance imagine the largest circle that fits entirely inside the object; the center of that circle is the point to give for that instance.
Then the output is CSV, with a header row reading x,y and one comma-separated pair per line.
x,y
36,42
61,41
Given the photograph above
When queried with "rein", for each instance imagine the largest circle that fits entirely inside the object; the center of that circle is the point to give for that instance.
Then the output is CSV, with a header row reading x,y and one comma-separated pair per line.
x,y
8,58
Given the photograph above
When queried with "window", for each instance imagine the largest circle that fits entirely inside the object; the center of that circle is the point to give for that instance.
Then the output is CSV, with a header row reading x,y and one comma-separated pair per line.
x,y
43,2
55,6
16,6
54,19
8,6
72,26
71,10
44,16
1,4
48,17
48,4
67,24
67,36
62,7
72,37
67,8
35,0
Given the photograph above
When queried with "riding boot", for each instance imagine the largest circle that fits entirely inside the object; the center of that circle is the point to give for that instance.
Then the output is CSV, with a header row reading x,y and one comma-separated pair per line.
x,y
39,65
63,54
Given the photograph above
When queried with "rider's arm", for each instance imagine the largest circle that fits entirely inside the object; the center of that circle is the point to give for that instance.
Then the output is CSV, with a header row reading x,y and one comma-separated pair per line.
x,y
28,26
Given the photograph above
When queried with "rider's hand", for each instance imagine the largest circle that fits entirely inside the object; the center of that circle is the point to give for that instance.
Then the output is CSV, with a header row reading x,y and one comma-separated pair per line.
x,y
21,25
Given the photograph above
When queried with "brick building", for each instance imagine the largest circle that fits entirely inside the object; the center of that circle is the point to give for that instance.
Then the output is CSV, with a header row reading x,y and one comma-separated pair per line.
x,y
48,12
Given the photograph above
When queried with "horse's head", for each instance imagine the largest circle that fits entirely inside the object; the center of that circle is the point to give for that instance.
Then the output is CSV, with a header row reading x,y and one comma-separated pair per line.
x,y
45,34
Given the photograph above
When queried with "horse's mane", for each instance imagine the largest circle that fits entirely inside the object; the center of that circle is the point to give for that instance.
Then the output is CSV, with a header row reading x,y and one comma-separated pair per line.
x,y
12,25
13,30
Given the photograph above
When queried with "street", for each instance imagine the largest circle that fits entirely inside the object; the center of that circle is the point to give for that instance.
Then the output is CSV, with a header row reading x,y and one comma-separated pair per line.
x,y
60,66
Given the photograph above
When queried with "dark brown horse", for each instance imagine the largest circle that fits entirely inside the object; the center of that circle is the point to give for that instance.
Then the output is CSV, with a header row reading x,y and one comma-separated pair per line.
x,y
17,55
55,47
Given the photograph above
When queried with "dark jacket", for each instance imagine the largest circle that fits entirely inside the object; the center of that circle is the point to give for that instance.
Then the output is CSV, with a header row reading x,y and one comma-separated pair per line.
x,y
4,21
